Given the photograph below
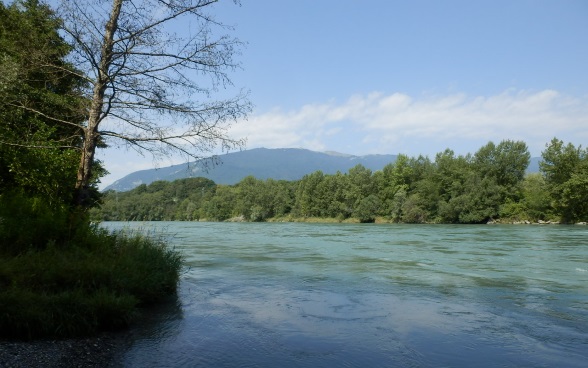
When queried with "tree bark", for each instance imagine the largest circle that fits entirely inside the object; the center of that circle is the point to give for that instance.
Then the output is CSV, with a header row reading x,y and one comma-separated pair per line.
x,y
95,116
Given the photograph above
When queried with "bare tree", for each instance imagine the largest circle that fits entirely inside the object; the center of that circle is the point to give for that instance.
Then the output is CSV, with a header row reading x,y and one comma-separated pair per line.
x,y
152,68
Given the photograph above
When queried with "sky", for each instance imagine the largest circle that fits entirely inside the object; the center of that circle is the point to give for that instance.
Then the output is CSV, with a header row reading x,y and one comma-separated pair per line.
x,y
398,76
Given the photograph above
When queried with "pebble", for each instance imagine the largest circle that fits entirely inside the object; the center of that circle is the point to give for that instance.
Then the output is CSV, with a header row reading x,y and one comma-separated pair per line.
x,y
101,351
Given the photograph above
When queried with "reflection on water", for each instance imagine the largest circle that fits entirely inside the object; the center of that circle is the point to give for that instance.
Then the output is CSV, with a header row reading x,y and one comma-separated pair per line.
x,y
310,295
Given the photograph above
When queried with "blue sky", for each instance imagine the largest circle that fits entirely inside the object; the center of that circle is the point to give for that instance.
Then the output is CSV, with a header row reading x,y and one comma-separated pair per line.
x,y
412,77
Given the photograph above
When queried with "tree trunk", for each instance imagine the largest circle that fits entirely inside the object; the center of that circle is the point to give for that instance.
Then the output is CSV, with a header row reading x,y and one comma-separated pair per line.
x,y
95,116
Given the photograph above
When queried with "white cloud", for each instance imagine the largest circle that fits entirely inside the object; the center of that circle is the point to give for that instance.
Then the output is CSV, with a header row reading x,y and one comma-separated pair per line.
x,y
378,121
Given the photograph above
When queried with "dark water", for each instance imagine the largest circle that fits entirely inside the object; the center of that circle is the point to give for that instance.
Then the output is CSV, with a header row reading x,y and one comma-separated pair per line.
x,y
343,295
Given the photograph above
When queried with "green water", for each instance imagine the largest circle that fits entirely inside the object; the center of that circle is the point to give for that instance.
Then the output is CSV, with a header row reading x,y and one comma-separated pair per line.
x,y
344,295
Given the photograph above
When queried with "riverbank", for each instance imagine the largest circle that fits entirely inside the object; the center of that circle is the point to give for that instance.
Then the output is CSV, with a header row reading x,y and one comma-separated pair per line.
x,y
385,220
100,351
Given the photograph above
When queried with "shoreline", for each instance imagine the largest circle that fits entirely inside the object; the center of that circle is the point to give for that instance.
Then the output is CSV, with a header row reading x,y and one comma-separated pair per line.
x,y
380,220
103,350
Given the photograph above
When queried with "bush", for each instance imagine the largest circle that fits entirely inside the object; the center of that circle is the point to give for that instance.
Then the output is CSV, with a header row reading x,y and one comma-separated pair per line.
x,y
30,222
28,314
367,208
78,283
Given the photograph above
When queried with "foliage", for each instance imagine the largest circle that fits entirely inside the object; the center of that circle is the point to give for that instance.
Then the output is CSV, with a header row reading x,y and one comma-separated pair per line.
x,y
565,170
535,196
38,91
64,277
489,185
573,204
367,208
94,283
31,223
30,314
180,200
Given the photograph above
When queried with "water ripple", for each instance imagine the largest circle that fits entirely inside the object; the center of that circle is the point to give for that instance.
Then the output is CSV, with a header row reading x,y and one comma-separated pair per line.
x,y
345,295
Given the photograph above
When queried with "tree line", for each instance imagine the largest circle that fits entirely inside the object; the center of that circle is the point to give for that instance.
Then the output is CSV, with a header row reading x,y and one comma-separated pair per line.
x,y
490,184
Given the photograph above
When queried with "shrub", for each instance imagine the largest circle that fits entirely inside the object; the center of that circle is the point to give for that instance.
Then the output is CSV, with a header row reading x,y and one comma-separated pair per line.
x,y
30,222
94,283
28,314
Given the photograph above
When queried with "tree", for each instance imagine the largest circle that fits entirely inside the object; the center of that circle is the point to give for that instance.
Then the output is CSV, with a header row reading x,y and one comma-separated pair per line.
x,y
423,194
477,202
564,169
359,185
330,196
367,208
220,206
307,192
253,201
451,172
560,161
574,199
39,91
143,78
506,163
536,199
392,184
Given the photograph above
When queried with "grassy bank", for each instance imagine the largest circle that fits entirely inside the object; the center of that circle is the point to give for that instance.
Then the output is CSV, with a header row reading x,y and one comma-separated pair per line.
x,y
67,283
84,289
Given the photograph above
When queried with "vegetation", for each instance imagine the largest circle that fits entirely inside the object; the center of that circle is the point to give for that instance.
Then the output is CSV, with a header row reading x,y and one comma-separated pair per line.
x,y
61,75
56,281
149,85
488,185
38,91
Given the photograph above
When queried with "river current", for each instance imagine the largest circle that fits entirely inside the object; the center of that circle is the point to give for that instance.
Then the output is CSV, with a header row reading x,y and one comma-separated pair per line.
x,y
370,295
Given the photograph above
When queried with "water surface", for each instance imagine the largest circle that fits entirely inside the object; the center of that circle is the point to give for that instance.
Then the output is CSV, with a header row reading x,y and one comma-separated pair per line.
x,y
346,295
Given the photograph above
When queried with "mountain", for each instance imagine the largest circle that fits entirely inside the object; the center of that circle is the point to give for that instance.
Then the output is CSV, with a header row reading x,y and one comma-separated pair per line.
x,y
262,163
534,165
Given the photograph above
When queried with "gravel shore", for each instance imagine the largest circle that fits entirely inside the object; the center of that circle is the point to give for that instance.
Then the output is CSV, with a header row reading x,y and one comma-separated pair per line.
x,y
100,351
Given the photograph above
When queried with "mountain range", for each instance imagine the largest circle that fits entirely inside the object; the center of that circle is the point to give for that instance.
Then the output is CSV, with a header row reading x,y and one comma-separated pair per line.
x,y
262,163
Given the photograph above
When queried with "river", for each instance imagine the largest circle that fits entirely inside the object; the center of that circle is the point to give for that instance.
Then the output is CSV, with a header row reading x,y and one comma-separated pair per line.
x,y
370,295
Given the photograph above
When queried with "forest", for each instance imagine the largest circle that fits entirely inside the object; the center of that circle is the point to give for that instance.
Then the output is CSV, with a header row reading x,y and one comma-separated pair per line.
x,y
490,185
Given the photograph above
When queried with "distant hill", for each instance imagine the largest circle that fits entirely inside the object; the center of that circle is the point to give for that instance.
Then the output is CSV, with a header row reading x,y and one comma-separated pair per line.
x,y
534,165
262,163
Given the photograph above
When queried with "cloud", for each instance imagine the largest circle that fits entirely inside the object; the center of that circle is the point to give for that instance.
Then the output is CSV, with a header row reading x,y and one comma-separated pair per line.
x,y
374,121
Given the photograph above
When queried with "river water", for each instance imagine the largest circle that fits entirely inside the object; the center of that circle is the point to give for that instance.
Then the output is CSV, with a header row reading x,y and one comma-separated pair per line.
x,y
369,295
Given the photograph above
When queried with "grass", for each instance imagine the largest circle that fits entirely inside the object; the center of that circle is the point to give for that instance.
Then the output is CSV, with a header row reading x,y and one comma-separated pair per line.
x,y
81,284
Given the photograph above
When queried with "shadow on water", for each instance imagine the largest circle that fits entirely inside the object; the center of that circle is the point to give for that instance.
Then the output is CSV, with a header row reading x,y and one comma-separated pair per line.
x,y
153,324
